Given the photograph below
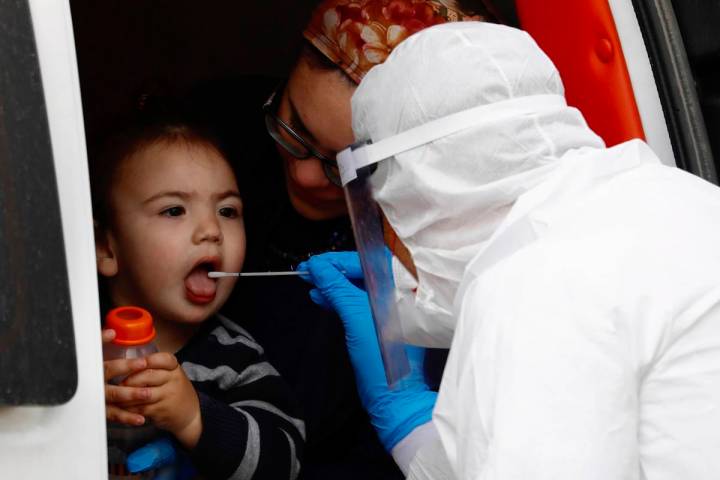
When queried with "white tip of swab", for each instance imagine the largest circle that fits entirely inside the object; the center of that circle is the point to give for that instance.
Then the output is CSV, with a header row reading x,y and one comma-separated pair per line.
x,y
221,274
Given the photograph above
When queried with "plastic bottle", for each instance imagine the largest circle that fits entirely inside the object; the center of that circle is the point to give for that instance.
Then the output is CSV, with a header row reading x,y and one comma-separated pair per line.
x,y
134,334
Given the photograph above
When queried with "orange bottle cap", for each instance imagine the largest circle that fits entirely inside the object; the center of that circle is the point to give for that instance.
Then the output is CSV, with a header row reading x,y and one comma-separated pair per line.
x,y
132,325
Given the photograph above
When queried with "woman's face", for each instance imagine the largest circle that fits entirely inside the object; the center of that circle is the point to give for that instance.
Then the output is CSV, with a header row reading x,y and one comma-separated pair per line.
x,y
316,104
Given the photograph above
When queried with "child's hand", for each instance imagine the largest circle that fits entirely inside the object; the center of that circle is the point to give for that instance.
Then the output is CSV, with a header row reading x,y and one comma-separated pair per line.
x,y
173,404
117,396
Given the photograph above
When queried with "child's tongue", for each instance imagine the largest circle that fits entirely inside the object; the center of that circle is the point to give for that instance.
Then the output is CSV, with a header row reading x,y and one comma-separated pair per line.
x,y
199,284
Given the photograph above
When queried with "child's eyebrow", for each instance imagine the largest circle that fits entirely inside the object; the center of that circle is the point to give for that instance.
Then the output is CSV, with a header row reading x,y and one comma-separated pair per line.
x,y
228,193
170,193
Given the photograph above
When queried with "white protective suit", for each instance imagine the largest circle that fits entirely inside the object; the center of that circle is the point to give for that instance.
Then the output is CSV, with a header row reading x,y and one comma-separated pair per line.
x,y
582,283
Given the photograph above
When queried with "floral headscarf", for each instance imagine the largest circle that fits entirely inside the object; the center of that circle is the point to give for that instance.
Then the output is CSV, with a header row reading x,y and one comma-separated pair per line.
x,y
358,34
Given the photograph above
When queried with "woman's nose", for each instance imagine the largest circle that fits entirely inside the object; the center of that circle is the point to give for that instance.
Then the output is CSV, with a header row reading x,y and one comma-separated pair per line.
x,y
208,230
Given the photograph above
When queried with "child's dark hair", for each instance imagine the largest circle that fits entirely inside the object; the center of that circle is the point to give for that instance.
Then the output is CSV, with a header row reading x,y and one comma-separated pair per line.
x,y
156,121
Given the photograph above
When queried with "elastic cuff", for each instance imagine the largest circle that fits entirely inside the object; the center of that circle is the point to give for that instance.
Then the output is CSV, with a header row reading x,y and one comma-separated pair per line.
x,y
405,450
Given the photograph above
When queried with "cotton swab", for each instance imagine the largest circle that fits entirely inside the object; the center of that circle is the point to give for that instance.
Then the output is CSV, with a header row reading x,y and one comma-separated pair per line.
x,y
256,274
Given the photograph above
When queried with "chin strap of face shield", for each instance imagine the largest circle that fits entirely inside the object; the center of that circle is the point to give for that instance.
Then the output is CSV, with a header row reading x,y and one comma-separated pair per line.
x,y
363,154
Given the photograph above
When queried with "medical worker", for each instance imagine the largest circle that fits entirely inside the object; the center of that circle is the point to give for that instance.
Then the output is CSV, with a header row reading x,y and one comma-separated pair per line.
x,y
577,286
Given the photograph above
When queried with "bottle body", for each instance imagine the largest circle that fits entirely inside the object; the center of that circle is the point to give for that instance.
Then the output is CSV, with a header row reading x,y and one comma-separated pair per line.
x,y
123,439
112,351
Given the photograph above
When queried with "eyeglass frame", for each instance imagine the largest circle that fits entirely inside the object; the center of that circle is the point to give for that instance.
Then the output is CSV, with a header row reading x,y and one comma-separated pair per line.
x,y
270,110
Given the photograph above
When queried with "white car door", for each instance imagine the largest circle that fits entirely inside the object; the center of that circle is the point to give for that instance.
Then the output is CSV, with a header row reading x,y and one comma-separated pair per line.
x,y
52,422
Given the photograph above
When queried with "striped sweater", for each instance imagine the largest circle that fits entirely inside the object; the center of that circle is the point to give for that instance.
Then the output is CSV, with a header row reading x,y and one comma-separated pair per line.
x,y
250,425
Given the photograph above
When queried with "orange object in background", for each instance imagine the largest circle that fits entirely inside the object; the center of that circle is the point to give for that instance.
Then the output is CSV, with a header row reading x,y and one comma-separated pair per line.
x,y
581,39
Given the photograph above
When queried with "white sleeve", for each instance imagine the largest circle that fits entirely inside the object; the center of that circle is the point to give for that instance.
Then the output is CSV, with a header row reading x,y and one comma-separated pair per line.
x,y
406,448
420,455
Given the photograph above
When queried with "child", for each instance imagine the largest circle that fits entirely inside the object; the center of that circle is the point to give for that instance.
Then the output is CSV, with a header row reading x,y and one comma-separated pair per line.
x,y
168,211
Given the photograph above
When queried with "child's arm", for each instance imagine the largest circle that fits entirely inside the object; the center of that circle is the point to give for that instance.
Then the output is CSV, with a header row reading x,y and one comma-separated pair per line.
x,y
157,388
237,420
250,428
172,403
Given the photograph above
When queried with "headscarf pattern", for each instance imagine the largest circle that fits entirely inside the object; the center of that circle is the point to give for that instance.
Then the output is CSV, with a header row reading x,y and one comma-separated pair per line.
x,y
357,35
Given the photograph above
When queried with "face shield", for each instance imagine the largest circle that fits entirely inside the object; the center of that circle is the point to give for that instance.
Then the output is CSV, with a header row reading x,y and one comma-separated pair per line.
x,y
357,164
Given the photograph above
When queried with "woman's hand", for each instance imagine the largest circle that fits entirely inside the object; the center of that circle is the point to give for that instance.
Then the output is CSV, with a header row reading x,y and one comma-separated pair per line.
x,y
172,403
393,412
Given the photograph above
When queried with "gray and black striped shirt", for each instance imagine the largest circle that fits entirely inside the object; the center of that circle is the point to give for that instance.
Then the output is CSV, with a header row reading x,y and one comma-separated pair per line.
x,y
251,429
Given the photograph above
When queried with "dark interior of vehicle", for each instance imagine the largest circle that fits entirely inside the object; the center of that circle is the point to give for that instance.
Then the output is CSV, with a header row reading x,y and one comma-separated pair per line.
x,y
164,47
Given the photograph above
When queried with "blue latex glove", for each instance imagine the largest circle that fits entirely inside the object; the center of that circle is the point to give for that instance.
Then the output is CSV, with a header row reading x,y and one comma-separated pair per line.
x,y
162,456
394,413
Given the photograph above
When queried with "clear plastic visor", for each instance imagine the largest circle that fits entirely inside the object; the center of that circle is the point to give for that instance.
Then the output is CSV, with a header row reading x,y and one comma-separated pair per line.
x,y
367,227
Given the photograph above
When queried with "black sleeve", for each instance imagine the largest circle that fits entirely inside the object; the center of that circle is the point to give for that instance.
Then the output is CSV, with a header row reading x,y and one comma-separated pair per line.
x,y
249,427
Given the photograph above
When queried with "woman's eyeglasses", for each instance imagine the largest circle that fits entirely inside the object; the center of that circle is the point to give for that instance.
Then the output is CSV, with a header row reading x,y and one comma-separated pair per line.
x,y
292,141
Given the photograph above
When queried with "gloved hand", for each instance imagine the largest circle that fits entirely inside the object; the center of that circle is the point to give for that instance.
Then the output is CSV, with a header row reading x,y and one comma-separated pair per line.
x,y
394,413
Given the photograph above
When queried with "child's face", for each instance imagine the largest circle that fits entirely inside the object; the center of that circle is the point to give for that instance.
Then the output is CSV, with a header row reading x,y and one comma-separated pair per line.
x,y
177,214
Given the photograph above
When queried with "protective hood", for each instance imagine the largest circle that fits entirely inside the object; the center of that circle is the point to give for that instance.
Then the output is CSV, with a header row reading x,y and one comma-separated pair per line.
x,y
445,198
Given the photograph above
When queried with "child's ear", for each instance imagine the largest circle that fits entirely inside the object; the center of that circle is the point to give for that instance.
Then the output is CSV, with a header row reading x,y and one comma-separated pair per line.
x,y
105,257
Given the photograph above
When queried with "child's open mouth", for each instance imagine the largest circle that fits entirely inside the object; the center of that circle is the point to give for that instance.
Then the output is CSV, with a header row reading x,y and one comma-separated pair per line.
x,y
198,287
